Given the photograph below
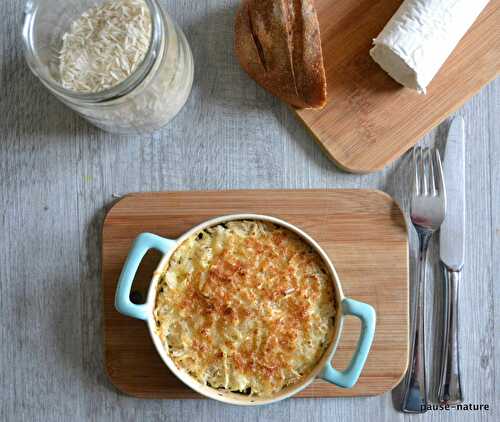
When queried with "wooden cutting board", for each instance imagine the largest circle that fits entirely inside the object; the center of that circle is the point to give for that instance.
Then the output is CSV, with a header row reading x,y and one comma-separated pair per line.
x,y
370,119
363,231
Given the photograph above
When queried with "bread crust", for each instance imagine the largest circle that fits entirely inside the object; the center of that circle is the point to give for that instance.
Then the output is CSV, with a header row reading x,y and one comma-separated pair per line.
x,y
278,44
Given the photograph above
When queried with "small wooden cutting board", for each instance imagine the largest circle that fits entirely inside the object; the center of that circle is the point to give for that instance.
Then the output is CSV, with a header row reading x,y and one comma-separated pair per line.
x,y
370,120
363,231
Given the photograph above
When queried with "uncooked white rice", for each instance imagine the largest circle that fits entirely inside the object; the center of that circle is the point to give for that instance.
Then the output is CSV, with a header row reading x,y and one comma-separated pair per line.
x,y
105,45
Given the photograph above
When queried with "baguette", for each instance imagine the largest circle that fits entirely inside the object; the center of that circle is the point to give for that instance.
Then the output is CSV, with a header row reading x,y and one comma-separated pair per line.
x,y
278,44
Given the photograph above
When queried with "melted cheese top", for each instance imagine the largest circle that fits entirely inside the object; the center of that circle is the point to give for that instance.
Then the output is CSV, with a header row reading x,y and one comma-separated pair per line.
x,y
246,306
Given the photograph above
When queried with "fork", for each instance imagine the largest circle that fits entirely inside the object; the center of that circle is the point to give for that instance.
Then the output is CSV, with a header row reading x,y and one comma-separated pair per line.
x,y
427,212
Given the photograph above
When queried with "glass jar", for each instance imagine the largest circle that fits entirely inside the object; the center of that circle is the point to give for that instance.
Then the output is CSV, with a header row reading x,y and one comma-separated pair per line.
x,y
145,101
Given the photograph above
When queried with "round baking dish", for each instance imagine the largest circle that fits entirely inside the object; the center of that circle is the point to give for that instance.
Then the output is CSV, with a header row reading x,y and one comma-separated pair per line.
x,y
323,369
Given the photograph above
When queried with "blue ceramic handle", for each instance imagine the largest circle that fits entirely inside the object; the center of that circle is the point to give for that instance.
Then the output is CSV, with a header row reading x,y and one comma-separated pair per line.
x,y
143,243
350,376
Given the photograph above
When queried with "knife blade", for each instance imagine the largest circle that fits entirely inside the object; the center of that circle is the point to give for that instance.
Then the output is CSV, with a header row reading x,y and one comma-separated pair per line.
x,y
452,233
452,251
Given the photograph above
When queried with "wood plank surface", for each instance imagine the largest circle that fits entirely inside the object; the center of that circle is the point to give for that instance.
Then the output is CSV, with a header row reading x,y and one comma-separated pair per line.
x,y
363,232
370,119
59,176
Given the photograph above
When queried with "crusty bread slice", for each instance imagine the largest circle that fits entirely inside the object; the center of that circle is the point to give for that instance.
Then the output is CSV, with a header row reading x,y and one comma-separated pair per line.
x,y
278,44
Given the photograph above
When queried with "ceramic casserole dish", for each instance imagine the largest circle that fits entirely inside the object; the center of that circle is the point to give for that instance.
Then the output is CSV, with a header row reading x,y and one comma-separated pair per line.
x,y
323,368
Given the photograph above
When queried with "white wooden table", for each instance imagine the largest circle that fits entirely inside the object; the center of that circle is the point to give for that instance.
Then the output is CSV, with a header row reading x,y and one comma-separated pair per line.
x,y
58,175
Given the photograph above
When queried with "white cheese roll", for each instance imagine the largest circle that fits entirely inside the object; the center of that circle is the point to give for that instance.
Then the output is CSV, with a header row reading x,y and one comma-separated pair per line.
x,y
418,39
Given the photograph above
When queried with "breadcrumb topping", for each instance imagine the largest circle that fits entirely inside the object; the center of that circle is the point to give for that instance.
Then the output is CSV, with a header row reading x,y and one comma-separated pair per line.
x,y
247,306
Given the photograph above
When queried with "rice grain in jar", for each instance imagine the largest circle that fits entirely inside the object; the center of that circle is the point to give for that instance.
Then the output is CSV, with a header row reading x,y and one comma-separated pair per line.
x,y
148,98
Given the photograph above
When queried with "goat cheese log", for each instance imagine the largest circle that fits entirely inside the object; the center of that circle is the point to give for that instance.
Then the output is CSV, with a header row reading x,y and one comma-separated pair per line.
x,y
418,39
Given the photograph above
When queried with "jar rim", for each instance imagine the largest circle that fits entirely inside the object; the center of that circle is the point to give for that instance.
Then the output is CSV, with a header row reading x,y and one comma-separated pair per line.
x,y
158,29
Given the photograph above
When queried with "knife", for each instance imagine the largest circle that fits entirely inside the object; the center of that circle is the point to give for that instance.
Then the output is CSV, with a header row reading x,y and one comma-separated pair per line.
x,y
452,251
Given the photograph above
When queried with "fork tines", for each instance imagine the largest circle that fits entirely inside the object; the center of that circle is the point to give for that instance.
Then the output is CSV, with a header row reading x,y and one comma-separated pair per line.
x,y
428,177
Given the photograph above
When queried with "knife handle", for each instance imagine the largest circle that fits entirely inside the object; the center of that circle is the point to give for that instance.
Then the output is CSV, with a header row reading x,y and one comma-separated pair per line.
x,y
450,389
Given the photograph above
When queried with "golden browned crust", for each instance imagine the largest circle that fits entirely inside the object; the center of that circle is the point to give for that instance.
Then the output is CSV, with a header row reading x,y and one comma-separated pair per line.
x,y
278,44
245,306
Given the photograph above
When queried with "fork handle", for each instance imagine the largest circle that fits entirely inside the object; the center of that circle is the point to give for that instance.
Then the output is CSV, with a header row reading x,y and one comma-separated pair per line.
x,y
415,392
450,389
